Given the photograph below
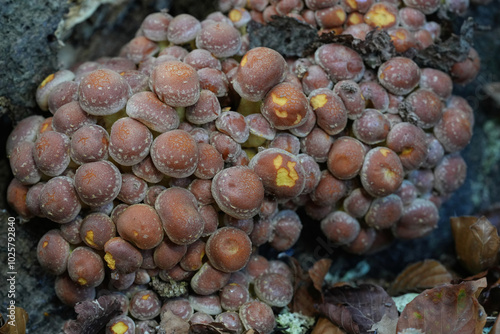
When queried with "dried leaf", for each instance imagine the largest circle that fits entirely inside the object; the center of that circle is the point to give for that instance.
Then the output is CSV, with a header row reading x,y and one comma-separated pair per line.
x,y
496,327
283,34
15,323
493,91
318,272
420,276
493,211
387,325
172,324
446,309
403,300
375,49
303,300
305,296
93,315
357,309
325,326
444,55
476,242
491,300
211,328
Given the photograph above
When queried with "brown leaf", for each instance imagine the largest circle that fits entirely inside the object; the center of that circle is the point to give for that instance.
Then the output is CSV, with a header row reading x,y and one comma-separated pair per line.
x,y
305,296
356,309
496,327
211,328
325,326
375,49
304,300
454,49
283,34
318,272
15,323
387,325
446,309
172,324
93,315
476,242
419,276
489,298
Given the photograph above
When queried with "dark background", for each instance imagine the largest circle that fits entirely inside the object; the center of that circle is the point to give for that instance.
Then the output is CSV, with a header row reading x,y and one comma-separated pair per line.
x,y
31,48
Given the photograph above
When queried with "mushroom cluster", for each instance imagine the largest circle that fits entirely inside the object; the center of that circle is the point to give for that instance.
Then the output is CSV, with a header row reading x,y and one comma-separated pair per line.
x,y
168,166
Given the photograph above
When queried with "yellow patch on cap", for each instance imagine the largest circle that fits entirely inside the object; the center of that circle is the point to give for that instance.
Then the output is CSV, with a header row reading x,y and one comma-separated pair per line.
x,y
407,151
353,4
280,113
235,15
47,80
318,101
110,261
287,177
119,328
281,101
89,238
385,151
379,16
243,60
278,161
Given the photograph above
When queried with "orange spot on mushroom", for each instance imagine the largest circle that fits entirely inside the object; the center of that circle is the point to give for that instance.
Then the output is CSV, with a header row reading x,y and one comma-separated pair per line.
x,y
45,125
45,243
123,132
42,145
145,297
382,74
89,175
319,101
84,140
51,198
48,79
100,79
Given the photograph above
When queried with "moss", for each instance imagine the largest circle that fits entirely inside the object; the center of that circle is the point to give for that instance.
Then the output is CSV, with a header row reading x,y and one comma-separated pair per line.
x,y
294,323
